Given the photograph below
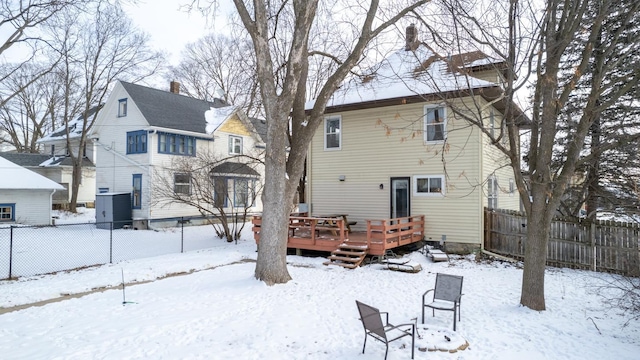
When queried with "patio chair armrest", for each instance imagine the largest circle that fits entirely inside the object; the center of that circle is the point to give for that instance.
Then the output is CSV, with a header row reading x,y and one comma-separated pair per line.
x,y
407,324
425,294
386,317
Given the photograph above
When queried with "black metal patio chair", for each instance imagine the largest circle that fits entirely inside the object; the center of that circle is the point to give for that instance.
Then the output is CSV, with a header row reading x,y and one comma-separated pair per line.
x,y
446,296
383,331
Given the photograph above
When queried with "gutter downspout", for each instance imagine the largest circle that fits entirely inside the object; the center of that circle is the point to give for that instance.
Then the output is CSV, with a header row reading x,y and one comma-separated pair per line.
x,y
150,142
51,206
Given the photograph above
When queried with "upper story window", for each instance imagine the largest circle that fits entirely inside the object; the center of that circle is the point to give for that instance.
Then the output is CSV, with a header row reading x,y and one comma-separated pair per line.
x,y
428,185
7,212
122,107
332,133
176,144
235,145
435,129
137,142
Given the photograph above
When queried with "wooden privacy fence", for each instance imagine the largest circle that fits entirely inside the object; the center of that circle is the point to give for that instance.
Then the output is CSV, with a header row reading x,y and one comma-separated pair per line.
x,y
605,246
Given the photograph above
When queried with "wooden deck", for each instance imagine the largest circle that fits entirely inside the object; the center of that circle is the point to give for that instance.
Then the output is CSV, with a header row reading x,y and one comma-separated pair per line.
x,y
326,234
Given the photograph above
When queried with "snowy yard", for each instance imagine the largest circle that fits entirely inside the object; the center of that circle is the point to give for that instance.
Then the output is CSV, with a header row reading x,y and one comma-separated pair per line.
x,y
220,311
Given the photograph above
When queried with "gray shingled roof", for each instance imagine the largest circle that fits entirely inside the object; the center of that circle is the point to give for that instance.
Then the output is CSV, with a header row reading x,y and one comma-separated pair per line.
x,y
168,110
25,159
261,127
234,168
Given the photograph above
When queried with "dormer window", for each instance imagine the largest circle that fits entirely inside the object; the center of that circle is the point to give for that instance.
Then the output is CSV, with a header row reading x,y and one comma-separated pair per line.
x,y
122,107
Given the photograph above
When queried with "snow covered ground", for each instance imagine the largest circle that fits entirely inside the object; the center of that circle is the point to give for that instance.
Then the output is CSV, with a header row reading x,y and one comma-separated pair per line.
x,y
217,310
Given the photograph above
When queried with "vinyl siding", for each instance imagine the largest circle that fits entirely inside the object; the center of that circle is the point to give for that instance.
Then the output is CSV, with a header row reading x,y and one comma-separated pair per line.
x,y
496,162
378,144
32,207
114,167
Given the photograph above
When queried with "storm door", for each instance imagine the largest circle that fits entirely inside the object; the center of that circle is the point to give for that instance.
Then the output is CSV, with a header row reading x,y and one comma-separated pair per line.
x,y
400,193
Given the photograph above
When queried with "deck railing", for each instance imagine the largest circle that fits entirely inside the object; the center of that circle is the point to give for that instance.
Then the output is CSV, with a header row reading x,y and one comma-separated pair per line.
x,y
392,233
326,234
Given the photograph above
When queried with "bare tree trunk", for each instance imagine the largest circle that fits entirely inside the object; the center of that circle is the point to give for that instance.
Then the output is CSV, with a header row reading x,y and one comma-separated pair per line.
x,y
76,176
272,250
538,224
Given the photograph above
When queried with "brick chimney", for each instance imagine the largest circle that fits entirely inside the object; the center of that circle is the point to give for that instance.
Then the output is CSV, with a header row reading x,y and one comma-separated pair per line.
x,y
174,87
411,38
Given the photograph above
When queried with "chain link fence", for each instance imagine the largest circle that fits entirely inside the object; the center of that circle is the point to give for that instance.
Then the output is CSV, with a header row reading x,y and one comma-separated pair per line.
x,y
37,250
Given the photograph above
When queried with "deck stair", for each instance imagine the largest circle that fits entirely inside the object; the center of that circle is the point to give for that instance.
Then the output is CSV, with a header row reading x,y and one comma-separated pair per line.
x,y
348,255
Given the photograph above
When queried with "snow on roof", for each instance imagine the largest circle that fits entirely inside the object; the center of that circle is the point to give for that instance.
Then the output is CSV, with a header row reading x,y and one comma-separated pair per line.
x,y
53,161
18,178
214,117
404,74
75,128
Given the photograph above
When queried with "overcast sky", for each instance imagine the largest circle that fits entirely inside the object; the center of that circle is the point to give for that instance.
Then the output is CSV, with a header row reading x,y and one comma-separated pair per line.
x,y
171,27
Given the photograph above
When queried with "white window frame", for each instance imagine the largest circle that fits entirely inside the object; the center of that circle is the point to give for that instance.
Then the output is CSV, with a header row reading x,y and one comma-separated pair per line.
x,y
417,189
512,186
235,141
338,132
427,109
493,191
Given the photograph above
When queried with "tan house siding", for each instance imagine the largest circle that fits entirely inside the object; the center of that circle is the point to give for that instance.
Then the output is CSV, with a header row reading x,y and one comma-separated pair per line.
x,y
496,163
234,126
381,143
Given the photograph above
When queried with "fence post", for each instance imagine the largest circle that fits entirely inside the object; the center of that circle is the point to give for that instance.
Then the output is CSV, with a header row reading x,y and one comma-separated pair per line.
x,y
592,237
10,250
182,235
111,242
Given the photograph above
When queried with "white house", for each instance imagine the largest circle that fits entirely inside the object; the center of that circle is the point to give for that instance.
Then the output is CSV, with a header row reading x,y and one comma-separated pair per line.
x,y
25,197
58,166
140,132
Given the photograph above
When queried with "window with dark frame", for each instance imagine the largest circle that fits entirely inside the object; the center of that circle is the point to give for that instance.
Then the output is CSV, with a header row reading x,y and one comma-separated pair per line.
x,y
176,144
220,191
137,142
136,195
7,212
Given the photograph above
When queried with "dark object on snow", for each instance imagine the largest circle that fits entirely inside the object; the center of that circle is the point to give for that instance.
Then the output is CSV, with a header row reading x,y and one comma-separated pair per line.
x,y
446,296
373,326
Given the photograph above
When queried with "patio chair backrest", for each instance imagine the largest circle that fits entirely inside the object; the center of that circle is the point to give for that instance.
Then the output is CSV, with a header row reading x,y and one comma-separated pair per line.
x,y
448,287
371,319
